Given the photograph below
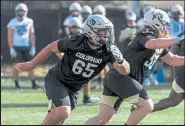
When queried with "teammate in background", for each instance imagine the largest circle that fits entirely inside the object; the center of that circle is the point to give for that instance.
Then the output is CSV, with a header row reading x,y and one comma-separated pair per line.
x,y
128,30
100,10
75,11
177,21
21,41
148,45
75,28
86,12
177,26
85,56
176,95
140,22
157,69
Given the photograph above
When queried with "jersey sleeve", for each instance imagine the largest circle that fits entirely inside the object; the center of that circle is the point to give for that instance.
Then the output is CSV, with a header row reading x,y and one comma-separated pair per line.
x,y
144,39
10,24
175,48
31,21
165,51
62,44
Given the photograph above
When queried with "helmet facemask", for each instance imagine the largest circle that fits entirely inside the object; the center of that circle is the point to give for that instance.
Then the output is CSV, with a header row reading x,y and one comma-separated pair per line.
x,y
75,13
102,36
21,14
176,15
85,16
74,30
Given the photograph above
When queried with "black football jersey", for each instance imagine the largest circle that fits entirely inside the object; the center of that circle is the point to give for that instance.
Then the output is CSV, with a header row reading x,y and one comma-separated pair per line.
x,y
80,63
140,58
178,49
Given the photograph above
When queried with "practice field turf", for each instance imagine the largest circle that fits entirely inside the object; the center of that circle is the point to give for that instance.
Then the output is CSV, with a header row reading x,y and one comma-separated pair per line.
x,y
30,107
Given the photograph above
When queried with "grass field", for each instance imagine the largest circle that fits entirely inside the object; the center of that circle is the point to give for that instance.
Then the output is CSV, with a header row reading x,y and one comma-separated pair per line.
x,y
29,107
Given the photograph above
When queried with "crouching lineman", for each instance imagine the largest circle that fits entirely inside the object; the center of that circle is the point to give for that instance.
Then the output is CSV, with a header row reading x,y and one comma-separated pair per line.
x,y
146,48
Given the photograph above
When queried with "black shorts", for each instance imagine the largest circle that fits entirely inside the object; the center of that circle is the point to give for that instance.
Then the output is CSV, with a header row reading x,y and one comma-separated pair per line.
x,y
58,94
178,83
118,88
22,54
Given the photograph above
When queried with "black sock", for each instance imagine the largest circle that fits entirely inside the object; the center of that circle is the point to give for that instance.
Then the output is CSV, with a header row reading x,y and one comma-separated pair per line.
x,y
33,82
99,80
86,97
16,83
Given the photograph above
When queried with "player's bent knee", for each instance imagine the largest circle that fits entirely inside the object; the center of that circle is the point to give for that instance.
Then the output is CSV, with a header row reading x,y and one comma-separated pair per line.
x,y
149,105
103,119
62,112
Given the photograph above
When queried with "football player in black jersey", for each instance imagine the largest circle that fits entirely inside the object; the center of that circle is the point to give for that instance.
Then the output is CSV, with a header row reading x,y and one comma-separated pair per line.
x,y
75,28
85,55
176,95
148,45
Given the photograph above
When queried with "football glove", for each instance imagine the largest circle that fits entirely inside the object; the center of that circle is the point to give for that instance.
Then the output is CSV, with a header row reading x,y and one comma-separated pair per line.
x,y
32,51
13,53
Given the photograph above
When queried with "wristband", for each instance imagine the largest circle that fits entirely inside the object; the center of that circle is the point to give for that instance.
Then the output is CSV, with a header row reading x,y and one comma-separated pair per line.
x,y
122,64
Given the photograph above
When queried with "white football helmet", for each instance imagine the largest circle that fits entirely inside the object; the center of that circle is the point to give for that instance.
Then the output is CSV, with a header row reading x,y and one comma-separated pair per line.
x,y
75,26
86,11
158,20
93,27
99,9
177,8
21,7
131,16
75,6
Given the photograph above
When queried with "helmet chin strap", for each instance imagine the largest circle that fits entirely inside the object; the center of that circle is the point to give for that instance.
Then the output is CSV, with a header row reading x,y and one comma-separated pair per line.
x,y
92,45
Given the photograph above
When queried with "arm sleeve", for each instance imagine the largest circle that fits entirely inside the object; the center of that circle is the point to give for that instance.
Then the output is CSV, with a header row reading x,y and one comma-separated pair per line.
x,y
112,59
144,39
165,51
62,44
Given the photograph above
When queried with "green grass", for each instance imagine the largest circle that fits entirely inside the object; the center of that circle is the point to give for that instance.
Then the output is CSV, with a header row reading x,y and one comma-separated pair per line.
x,y
35,115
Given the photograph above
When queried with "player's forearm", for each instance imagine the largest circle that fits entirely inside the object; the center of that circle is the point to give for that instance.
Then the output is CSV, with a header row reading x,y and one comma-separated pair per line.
x,y
123,68
41,56
10,42
177,61
160,43
32,39
174,60
10,38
